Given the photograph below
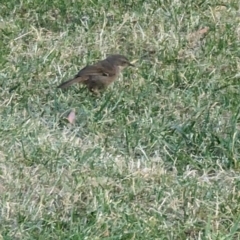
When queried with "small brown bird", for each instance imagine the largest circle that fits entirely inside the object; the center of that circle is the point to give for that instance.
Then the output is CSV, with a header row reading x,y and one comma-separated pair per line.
x,y
99,75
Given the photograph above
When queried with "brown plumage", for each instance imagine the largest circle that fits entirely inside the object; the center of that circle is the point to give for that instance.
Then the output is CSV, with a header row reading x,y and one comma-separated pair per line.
x,y
99,75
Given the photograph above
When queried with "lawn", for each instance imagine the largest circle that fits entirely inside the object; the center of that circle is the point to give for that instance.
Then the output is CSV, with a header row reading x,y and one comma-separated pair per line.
x,y
155,156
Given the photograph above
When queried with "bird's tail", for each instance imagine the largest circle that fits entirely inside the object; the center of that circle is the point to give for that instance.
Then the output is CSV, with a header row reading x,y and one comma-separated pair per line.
x,y
71,81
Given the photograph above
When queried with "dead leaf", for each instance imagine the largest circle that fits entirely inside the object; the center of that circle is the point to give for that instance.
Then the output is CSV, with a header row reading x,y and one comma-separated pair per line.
x,y
196,36
106,233
72,117
220,8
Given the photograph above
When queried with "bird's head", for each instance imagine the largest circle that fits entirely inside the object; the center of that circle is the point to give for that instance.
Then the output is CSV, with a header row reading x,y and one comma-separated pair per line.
x,y
119,60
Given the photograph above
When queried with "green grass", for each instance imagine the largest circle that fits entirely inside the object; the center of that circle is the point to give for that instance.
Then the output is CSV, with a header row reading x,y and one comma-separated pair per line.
x,y
156,156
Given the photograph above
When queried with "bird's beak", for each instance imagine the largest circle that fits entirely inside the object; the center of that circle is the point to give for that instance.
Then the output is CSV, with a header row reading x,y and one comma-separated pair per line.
x,y
130,64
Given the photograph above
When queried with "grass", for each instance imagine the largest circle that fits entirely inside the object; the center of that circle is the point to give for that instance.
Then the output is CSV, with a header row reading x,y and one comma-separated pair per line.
x,y
156,156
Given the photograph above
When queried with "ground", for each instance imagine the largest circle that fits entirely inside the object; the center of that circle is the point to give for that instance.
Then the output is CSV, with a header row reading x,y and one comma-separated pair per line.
x,y
155,156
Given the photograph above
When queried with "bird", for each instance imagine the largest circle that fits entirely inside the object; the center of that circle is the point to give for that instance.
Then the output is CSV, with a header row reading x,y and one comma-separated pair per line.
x,y
99,75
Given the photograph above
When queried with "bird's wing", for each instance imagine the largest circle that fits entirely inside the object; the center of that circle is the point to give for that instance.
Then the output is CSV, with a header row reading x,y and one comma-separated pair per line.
x,y
102,68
